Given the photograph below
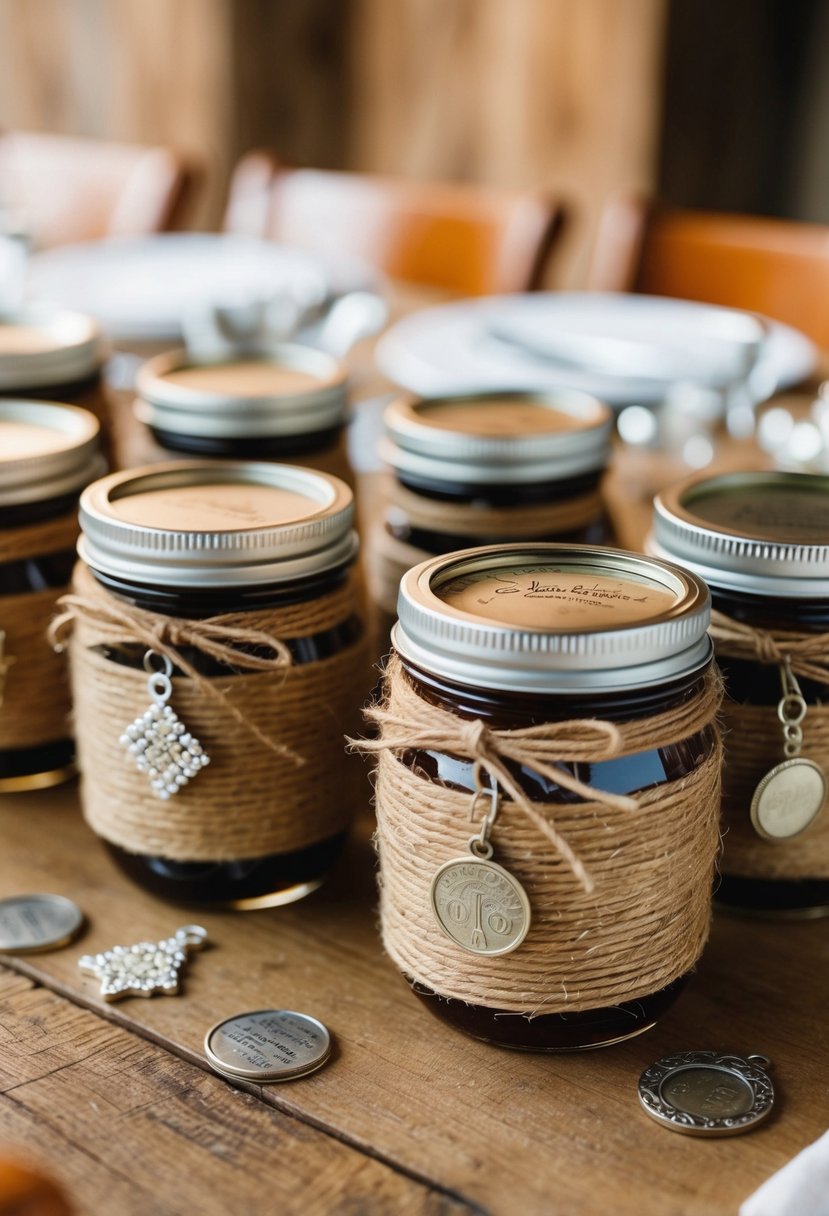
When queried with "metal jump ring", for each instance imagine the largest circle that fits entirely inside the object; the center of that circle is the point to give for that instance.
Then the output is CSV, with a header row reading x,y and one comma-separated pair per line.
x,y
149,662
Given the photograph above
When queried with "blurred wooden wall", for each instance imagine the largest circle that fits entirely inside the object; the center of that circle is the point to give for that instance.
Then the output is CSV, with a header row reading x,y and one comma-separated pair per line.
x,y
559,94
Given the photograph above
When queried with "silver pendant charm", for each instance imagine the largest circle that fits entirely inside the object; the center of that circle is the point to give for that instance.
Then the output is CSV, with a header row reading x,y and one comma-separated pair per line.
x,y
158,740
476,902
704,1093
146,967
790,796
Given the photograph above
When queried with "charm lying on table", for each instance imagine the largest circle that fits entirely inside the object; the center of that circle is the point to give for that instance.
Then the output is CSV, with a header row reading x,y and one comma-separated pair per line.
x,y
159,741
30,924
146,967
705,1093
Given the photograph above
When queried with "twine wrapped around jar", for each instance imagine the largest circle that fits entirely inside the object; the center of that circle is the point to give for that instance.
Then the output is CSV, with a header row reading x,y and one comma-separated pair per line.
x,y
754,744
620,887
388,557
34,690
279,779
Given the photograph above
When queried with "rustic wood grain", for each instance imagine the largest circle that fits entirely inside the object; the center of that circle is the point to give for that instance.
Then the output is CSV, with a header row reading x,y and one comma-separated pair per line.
x,y
507,1131
127,1128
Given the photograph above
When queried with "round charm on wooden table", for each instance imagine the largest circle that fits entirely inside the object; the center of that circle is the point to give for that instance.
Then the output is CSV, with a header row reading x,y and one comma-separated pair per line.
x,y
267,1045
33,923
705,1093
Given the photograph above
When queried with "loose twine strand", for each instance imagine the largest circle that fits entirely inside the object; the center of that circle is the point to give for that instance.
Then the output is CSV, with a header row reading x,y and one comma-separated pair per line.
x,y
415,724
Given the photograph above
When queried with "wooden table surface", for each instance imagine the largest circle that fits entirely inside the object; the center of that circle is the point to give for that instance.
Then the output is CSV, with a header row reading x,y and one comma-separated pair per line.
x,y
409,1116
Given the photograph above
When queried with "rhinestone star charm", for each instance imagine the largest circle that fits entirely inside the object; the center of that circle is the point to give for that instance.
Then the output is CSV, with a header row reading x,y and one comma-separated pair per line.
x,y
146,967
158,740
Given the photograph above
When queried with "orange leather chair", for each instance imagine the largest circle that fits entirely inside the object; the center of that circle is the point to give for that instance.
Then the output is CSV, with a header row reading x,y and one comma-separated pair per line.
x,y
776,267
60,189
470,239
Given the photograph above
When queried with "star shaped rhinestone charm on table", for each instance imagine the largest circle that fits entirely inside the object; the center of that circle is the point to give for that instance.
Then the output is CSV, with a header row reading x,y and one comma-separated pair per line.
x,y
146,967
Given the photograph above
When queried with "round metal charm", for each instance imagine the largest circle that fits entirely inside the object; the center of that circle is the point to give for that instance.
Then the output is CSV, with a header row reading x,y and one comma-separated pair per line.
x,y
267,1045
480,905
703,1093
788,799
33,923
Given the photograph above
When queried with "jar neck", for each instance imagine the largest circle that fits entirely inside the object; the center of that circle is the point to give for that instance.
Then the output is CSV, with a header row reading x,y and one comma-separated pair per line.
x,y
57,392
772,612
506,494
505,710
23,514
198,603
277,446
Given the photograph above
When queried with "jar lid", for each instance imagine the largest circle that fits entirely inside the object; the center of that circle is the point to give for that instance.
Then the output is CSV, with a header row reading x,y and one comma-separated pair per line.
x,y
216,523
501,437
46,451
43,346
550,618
764,533
287,390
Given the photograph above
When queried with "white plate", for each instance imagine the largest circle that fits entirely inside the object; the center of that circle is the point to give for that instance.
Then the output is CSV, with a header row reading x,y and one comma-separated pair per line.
x,y
545,340
140,288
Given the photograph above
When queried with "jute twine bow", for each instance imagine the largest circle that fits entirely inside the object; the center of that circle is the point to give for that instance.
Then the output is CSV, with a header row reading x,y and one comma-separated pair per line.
x,y
808,653
224,639
540,748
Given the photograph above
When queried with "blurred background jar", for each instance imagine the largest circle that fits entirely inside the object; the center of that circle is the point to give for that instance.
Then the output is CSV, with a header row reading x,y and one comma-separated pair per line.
x,y
761,542
54,354
289,403
483,469
48,453
231,584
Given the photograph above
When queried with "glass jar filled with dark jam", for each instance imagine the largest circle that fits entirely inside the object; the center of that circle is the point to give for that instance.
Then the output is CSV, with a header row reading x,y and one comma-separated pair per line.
x,y
48,453
52,354
485,468
286,402
525,636
761,542
196,541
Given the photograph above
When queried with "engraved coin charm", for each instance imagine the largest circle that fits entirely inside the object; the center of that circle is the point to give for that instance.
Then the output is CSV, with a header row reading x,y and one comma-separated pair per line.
x,y
158,740
33,923
268,1045
478,903
146,967
704,1093
790,796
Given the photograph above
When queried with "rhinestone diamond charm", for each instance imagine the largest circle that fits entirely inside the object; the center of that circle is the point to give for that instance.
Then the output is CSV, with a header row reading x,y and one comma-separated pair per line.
x,y
158,740
146,967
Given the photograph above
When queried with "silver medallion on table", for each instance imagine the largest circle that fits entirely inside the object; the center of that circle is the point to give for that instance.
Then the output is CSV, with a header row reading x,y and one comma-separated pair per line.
x,y
790,796
476,902
706,1093
32,923
267,1045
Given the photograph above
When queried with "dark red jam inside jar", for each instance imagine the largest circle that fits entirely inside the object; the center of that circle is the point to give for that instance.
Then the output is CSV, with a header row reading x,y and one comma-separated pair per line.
x,y
286,402
297,507
48,453
761,542
497,684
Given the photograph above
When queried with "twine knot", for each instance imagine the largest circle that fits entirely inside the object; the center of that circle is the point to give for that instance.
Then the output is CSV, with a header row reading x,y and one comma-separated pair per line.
x,y
807,653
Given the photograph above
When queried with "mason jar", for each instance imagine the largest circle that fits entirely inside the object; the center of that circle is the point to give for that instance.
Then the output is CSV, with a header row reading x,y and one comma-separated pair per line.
x,y
53,354
761,542
205,573
485,468
289,403
516,651
48,453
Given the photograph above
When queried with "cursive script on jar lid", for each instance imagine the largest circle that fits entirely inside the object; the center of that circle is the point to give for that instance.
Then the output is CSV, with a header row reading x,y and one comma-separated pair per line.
x,y
552,618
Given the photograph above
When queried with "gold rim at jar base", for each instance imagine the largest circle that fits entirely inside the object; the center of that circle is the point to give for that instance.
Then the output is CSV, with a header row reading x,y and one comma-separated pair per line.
x,y
38,781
